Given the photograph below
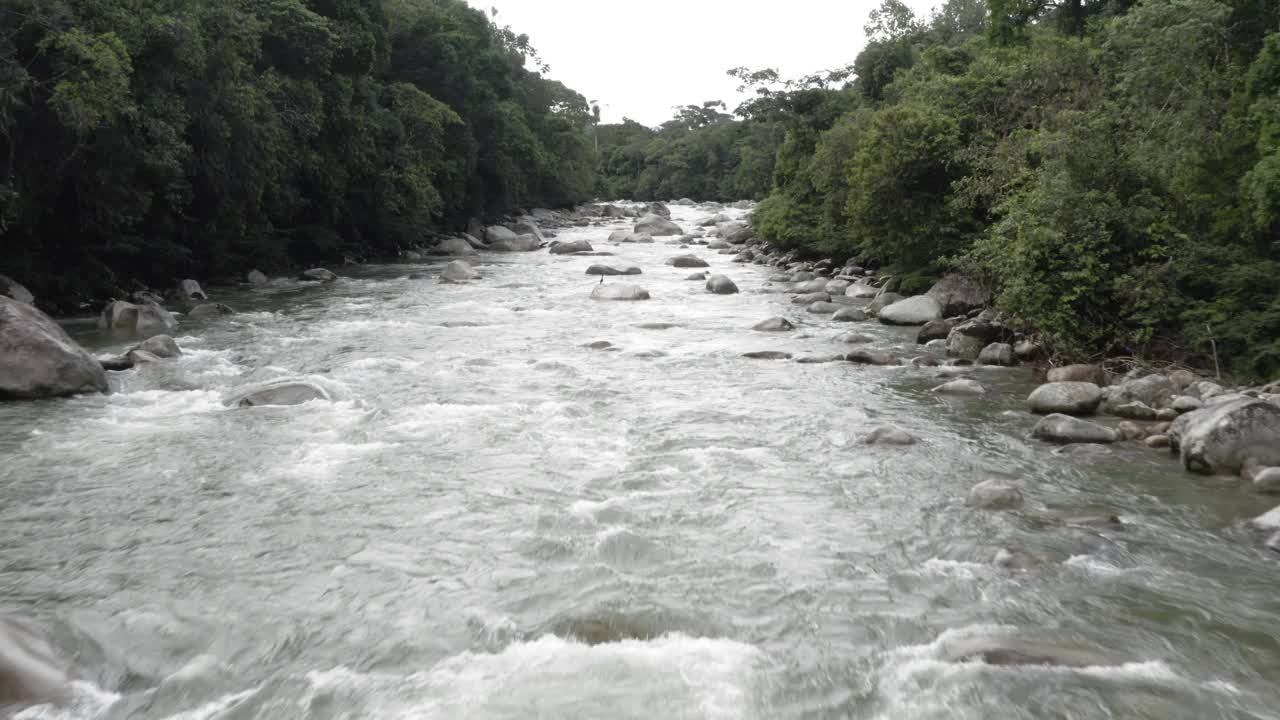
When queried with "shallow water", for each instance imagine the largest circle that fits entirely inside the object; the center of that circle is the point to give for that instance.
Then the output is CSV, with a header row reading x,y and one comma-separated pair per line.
x,y
494,521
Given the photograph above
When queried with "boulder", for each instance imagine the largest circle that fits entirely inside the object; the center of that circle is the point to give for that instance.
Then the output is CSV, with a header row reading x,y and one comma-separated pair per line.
x,y
687,261
775,324
1186,403
458,271
1068,398
967,340
526,226
836,287
657,226
805,276
571,247
619,291
1154,391
823,307
638,238
1134,411
861,290
279,392
657,208
317,275
767,355
699,276
866,357
39,360
997,354
191,290
934,330
475,242
686,202
144,318
520,243
497,233
1026,350
817,285
714,220
160,346
1182,379
718,245
958,295
208,310
1227,434
735,233
963,386
994,495
721,285
256,277
453,246
917,310
618,236
851,338
886,435
612,211
14,290
882,301
849,314
963,346
1157,441
606,270
1064,429
1079,373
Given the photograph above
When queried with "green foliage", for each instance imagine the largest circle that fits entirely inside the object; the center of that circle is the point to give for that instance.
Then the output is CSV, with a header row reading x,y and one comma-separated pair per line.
x,y
145,140
1110,168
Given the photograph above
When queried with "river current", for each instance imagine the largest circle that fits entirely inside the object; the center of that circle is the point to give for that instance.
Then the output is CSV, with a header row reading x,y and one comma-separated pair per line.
x,y
493,520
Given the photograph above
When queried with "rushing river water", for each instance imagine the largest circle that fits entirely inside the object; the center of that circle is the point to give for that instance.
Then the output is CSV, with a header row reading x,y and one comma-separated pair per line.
x,y
494,521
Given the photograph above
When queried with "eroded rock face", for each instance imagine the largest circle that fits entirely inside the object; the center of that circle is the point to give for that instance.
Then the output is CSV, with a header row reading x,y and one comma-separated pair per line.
x,y
39,360
1227,434
994,495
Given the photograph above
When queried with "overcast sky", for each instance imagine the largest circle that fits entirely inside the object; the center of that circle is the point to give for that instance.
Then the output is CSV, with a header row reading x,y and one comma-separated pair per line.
x,y
641,58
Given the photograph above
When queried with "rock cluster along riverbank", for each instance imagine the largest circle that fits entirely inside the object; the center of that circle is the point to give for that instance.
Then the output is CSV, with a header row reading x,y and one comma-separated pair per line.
x,y
1212,428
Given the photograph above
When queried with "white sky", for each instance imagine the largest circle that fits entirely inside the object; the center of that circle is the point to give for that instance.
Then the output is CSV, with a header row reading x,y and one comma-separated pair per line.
x,y
641,58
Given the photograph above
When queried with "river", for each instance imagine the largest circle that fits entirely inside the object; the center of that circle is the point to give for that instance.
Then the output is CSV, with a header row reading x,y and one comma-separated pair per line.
x,y
494,521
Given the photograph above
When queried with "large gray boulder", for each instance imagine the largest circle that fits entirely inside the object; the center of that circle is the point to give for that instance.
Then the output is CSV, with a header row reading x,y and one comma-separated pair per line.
x,y
735,233
497,233
257,277
161,346
657,208
962,386
967,340
861,290
526,226
571,247
30,673
849,314
916,310
619,291
1228,433
12,289
998,354
39,360
657,226
1065,429
453,246
1154,391
458,272
958,295
1068,398
687,261
618,236
934,330
142,318
714,220
191,290
721,285
612,211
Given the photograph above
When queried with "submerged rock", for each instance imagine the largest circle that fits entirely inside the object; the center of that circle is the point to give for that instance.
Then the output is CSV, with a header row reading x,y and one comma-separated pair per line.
x,y
39,360
606,270
1065,429
888,435
317,275
767,355
994,495
569,248
619,291
161,346
963,386
849,314
459,271
209,309
687,261
279,392
775,324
